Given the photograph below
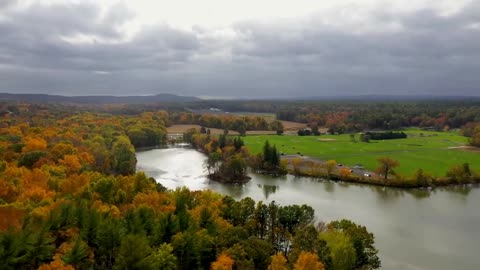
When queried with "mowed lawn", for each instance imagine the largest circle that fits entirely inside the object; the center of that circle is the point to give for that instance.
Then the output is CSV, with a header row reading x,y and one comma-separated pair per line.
x,y
429,152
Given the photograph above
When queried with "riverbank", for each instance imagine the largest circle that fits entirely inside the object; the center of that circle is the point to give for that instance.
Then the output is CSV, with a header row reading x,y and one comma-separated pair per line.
x,y
307,167
396,183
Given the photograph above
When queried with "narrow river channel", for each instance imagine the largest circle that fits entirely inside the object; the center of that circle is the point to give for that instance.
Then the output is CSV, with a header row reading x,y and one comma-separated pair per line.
x,y
414,229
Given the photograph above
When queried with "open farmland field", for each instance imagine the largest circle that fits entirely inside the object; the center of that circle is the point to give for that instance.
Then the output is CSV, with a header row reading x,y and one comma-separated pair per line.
x,y
289,127
267,116
434,152
292,127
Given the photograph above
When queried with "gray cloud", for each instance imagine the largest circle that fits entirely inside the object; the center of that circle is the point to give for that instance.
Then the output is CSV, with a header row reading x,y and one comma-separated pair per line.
x,y
425,53
36,38
6,4
429,53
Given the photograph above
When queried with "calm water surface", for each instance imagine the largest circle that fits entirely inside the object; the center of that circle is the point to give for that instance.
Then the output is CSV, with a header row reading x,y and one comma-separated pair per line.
x,y
414,229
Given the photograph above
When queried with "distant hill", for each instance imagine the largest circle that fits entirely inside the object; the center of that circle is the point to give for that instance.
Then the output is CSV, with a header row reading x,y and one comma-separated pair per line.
x,y
43,98
389,98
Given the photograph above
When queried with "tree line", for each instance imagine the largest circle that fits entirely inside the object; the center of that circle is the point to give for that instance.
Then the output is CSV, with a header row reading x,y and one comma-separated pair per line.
x,y
472,131
241,124
387,135
347,116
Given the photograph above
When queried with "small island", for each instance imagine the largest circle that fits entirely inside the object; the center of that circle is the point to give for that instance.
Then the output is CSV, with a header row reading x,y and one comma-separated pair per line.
x,y
228,158
229,179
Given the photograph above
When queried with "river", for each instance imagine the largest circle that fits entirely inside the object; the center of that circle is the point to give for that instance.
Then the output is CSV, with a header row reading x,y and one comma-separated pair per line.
x,y
414,229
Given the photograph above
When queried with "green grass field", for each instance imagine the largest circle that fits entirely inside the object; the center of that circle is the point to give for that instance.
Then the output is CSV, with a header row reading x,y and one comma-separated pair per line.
x,y
429,152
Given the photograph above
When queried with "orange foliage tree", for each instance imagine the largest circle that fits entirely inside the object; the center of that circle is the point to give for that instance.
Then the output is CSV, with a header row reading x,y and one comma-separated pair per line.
x,y
344,173
223,262
34,144
308,261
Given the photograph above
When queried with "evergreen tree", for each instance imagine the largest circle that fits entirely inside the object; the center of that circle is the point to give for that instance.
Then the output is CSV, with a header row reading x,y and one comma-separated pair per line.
x,y
163,258
77,255
12,250
275,157
267,152
134,254
222,140
108,240
238,143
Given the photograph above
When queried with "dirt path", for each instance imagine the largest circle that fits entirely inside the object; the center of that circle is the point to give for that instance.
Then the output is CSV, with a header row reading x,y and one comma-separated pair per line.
x,y
466,148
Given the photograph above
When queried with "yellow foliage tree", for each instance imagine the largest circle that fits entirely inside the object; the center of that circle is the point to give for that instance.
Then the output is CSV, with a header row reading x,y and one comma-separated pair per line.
x,y
386,166
74,184
35,185
330,166
316,168
34,144
308,261
11,183
279,262
72,163
296,164
155,200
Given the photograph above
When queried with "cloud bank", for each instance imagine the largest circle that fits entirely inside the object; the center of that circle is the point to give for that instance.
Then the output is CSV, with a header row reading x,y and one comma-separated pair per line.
x,y
84,48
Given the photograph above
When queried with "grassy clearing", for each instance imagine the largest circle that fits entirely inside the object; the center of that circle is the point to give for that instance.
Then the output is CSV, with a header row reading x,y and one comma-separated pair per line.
x,y
289,127
267,116
429,151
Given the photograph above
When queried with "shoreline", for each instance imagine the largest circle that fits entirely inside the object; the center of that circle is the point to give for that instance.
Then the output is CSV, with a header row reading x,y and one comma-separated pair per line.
x,y
224,180
374,181
405,183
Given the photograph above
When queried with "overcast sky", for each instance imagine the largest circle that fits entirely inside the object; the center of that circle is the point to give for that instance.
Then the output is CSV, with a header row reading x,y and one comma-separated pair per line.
x,y
243,48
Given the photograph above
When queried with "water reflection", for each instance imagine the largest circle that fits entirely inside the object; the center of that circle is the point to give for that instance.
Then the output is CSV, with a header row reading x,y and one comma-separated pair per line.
x,y
463,190
389,194
329,186
461,193
421,193
268,189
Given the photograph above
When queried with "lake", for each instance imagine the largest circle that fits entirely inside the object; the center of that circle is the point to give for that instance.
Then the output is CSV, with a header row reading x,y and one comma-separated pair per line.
x,y
414,229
